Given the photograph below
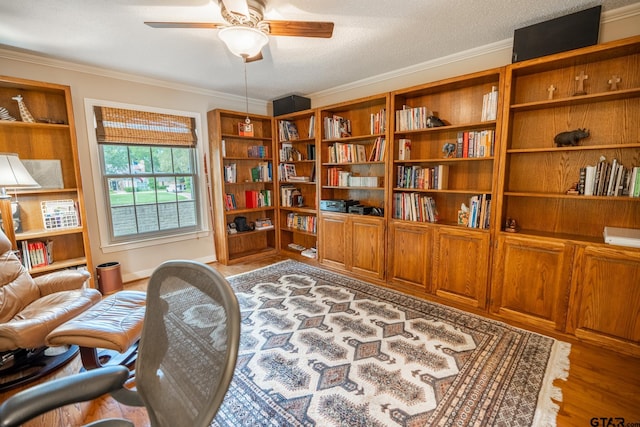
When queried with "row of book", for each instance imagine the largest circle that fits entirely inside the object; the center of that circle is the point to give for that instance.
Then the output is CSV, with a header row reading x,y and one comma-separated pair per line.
x,y
490,105
416,207
258,198
478,213
230,173
357,153
337,177
287,131
262,172
470,144
423,177
336,127
302,222
259,151
378,122
412,118
36,253
609,178
289,153
290,196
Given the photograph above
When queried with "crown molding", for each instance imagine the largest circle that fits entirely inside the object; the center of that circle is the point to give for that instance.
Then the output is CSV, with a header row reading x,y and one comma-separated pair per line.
x,y
618,14
506,45
30,58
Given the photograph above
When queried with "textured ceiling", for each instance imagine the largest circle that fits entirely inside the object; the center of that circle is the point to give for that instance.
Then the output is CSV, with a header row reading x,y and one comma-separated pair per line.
x,y
371,37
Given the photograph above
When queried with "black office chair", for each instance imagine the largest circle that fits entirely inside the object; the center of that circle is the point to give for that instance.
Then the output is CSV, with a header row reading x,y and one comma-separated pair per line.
x,y
186,357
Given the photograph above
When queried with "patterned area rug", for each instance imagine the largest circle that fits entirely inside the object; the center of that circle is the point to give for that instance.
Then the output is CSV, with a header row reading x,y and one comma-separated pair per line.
x,y
322,349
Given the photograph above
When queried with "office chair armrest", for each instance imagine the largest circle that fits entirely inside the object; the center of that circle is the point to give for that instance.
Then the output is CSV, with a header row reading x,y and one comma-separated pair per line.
x,y
42,398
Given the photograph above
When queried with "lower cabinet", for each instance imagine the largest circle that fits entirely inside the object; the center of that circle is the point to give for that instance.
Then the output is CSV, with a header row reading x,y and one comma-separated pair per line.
x,y
461,266
353,242
605,298
531,280
450,262
410,256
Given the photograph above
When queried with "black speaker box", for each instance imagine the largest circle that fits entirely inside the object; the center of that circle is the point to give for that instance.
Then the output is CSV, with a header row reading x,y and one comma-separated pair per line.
x,y
290,104
567,32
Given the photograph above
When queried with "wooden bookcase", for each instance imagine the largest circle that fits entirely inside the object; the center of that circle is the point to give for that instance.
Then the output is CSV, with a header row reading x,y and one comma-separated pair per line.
x,y
297,197
351,241
234,194
52,139
556,272
446,258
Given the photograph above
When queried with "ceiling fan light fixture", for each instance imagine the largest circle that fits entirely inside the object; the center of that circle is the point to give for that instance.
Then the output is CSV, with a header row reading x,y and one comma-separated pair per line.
x,y
245,42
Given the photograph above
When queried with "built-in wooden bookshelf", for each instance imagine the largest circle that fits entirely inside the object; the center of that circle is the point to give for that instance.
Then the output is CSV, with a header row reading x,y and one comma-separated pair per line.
x,y
555,271
442,182
52,141
353,152
297,183
242,184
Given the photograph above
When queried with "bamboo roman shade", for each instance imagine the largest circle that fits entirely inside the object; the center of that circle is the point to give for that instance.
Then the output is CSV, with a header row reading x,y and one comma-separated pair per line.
x,y
122,126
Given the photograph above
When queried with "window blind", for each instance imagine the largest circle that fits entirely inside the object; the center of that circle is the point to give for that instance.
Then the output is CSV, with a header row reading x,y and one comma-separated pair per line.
x,y
124,126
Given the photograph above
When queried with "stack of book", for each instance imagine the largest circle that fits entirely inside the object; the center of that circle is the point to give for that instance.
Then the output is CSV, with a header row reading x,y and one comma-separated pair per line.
x,y
337,127
609,179
416,207
423,177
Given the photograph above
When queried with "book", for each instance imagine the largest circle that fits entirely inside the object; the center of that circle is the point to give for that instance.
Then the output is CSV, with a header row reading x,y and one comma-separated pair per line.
x,y
404,149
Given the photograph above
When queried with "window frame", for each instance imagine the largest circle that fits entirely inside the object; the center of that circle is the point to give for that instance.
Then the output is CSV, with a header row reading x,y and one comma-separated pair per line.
x,y
108,242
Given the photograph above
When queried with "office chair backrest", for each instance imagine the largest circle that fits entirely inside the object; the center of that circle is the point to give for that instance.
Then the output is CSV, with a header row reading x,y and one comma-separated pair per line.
x,y
189,344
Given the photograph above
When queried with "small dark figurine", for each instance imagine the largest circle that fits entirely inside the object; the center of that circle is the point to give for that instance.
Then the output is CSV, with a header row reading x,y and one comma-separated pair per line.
x,y
564,139
434,122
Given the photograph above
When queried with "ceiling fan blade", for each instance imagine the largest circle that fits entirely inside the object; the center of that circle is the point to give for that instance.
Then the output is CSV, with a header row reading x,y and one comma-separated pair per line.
x,y
212,25
300,28
238,7
258,57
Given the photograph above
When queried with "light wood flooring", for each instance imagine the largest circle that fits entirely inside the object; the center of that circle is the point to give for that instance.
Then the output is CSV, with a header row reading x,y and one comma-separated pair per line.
x,y
602,384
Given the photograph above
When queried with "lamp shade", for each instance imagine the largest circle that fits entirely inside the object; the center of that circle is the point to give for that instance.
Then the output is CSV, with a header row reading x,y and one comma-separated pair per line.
x,y
245,42
13,174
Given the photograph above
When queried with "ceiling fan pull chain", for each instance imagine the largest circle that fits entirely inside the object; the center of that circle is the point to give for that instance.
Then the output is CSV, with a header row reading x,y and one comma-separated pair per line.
x,y
246,94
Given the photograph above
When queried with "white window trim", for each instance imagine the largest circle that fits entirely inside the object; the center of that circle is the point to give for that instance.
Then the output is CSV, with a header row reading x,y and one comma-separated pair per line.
x,y
100,197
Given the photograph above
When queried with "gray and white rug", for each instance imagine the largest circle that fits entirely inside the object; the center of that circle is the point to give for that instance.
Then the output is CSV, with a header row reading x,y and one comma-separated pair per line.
x,y
323,349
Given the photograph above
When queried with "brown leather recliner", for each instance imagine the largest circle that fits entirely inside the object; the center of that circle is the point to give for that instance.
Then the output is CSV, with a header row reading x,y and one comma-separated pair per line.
x,y
30,308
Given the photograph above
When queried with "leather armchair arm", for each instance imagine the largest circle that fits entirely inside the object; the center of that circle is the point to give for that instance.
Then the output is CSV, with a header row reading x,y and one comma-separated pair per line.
x,y
42,398
64,280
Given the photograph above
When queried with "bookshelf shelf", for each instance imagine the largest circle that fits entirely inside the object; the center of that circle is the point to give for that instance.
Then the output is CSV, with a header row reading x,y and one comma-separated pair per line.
x,y
299,152
467,177
254,184
46,141
350,242
569,275
578,100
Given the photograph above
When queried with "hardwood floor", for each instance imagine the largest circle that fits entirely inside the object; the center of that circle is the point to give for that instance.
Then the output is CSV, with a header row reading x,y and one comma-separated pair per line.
x,y
603,386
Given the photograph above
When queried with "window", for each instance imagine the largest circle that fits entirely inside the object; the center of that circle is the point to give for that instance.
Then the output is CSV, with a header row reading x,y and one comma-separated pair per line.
x,y
148,164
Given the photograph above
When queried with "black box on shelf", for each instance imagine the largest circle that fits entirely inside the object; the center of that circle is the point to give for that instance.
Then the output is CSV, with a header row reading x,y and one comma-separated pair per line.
x,y
339,205
573,31
290,104
360,209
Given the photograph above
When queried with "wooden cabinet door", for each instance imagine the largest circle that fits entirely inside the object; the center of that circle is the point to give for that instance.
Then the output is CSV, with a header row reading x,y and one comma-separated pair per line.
x,y
334,236
461,266
531,281
410,253
605,298
367,246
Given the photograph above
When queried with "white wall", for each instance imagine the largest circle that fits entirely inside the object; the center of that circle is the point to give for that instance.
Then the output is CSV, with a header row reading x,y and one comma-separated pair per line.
x,y
88,82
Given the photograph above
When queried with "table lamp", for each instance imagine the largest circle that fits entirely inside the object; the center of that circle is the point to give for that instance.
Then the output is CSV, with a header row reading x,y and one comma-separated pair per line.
x,y
13,174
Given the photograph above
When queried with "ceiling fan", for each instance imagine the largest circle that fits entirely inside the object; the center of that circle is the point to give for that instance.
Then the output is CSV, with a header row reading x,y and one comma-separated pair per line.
x,y
245,30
